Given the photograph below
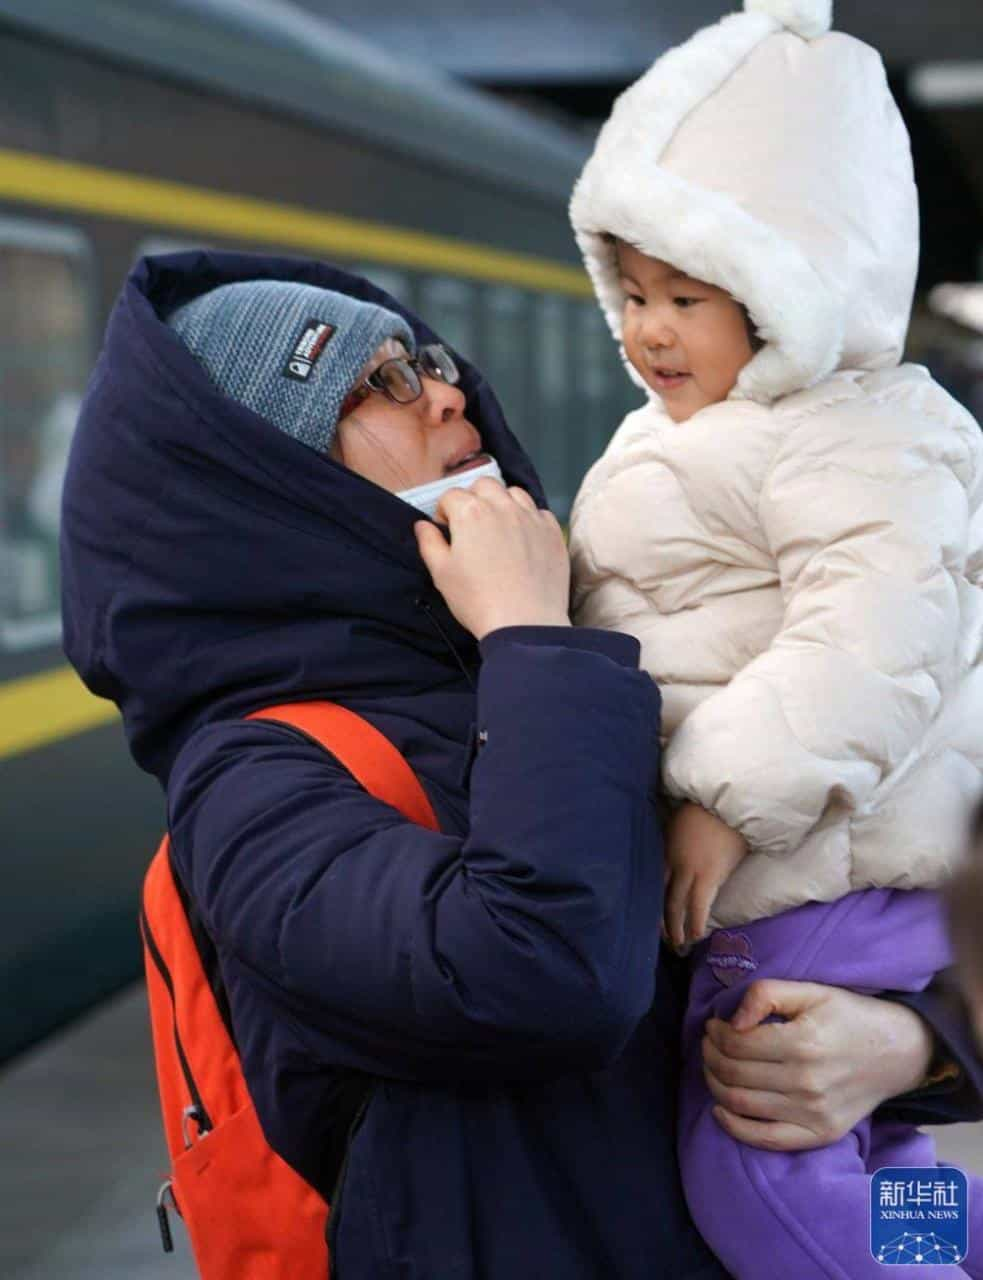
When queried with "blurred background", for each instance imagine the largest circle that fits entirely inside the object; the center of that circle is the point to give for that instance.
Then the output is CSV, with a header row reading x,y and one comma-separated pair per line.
x,y
432,149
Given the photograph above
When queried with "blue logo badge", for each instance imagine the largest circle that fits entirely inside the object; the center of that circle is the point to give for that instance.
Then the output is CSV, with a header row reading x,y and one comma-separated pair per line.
x,y
918,1217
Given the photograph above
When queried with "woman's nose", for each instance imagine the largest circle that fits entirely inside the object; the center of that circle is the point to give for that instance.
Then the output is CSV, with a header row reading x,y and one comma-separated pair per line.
x,y
444,400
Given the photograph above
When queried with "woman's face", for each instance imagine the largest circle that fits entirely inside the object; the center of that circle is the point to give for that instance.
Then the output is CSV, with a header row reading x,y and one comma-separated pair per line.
x,y
401,446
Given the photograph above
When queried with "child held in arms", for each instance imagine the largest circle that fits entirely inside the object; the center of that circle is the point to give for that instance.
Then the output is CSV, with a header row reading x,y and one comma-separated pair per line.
x,y
791,527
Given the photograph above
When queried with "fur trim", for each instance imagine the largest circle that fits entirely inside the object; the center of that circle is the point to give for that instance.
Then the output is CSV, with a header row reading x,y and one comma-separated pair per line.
x,y
623,191
806,18
711,238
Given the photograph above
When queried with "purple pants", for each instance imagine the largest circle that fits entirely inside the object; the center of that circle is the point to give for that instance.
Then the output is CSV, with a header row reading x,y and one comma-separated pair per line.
x,y
805,1215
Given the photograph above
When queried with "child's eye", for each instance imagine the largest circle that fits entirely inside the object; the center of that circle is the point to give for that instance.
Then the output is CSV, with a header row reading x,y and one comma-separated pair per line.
x,y
635,299
686,302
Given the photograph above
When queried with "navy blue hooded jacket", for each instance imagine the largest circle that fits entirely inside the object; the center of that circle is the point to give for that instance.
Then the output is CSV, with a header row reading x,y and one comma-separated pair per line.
x,y
486,991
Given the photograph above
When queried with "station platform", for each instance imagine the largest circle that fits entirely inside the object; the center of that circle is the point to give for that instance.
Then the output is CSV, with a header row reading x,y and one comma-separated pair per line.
x,y
83,1155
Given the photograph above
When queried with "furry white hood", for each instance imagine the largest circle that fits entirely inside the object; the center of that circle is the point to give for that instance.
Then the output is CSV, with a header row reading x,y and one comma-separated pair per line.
x,y
766,156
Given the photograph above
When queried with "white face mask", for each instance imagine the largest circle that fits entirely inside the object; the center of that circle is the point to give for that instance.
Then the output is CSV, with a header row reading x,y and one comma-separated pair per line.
x,y
425,497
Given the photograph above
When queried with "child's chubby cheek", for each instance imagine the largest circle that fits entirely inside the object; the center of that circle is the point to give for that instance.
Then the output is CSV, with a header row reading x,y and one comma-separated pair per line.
x,y
697,356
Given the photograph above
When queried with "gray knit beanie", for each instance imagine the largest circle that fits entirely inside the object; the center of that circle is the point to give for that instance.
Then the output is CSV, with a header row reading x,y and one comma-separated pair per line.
x,y
290,352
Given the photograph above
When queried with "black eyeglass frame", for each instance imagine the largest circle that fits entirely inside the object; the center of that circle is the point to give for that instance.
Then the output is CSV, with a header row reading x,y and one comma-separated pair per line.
x,y
432,361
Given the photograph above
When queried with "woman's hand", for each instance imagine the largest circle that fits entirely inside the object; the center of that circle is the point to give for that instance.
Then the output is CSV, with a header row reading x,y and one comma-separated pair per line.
x,y
507,563
701,852
804,1083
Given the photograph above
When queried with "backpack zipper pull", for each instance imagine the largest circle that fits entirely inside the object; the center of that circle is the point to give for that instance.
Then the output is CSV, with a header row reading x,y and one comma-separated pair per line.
x,y
166,1239
193,1112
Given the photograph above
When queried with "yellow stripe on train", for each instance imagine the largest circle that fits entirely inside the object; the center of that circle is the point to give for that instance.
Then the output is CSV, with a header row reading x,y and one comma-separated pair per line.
x,y
36,710
87,189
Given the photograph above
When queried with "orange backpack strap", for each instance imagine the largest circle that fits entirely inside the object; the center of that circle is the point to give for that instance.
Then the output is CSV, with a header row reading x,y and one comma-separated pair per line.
x,y
367,754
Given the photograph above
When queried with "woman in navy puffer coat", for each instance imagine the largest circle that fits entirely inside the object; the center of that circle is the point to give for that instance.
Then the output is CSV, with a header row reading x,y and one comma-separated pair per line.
x,y
473,1008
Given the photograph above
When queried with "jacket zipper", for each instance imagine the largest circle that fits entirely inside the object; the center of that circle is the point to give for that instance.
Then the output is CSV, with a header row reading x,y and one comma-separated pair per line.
x,y
423,603
335,1215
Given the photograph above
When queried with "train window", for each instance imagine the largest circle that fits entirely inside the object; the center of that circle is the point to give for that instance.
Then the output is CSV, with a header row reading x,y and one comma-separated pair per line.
x,y
597,375
556,444
394,282
505,356
167,244
448,307
45,355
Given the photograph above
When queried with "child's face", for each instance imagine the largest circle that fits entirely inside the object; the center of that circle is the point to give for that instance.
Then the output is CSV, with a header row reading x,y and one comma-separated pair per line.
x,y
687,339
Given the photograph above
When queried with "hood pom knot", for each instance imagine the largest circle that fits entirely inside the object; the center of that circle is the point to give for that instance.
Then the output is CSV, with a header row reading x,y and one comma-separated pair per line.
x,y
807,18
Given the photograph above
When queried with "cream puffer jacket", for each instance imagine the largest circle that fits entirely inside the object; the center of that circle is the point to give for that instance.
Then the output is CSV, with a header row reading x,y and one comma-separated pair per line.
x,y
803,562
805,583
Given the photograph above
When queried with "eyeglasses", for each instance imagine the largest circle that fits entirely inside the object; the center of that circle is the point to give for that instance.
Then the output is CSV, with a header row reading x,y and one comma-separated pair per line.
x,y
401,378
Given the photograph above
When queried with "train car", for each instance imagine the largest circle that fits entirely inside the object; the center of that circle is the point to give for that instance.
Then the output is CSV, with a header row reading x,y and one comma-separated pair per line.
x,y
127,129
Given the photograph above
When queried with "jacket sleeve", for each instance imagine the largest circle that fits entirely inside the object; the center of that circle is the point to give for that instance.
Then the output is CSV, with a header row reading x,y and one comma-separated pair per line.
x,y
868,520
958,1096
526,947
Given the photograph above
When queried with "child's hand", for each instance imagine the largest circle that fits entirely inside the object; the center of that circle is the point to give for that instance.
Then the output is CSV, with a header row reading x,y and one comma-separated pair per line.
x,y
701,852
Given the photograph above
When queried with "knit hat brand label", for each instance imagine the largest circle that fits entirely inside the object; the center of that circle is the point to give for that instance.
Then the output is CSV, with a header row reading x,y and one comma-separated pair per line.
x,y
316,336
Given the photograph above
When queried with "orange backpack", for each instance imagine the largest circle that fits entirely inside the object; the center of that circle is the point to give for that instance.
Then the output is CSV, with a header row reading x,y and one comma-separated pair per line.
x,y
249,1215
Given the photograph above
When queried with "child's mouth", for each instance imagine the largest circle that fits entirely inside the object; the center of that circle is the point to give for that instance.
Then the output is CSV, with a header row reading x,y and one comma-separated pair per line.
x,y
667,379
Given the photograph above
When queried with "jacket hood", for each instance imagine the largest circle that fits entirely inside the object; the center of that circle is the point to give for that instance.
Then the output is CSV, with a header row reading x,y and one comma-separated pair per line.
x,y
212,564
766,156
